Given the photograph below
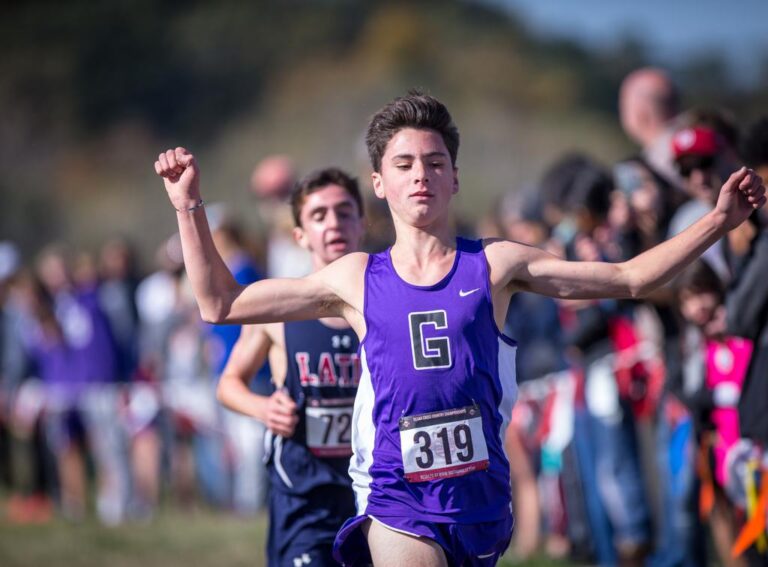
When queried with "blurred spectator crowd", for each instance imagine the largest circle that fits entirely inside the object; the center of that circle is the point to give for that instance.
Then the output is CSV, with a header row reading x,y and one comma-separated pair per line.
x,y
640,434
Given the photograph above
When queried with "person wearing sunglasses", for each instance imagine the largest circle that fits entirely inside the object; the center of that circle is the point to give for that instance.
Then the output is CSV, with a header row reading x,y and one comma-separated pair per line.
x,y
703,163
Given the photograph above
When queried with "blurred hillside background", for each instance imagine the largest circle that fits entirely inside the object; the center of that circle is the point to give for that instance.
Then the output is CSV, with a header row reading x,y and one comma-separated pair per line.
x,y
91,92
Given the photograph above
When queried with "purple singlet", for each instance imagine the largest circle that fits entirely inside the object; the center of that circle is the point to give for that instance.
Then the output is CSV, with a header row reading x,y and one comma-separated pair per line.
x,y
435,396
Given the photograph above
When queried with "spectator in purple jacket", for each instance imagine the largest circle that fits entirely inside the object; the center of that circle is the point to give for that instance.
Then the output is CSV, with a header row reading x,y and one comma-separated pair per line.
x,y
76,356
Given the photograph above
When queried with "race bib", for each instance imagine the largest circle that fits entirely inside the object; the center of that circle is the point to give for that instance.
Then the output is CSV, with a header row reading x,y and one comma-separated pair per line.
x,y
443,444
329,426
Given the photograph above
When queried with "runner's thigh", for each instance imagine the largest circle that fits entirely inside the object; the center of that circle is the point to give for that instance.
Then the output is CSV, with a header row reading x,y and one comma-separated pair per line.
x,y
394,549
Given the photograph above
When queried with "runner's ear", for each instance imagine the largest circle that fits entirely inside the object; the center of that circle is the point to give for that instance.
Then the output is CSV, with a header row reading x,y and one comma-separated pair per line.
x,y
378,184
300,237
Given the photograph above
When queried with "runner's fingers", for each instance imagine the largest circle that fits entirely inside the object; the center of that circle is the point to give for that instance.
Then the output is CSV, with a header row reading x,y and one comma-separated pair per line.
x,y
170,156
752,187
747,180
756,195
167,172
285,401
757,187
282,425
283,418
734,181
172,163
183,157
284,411
163,161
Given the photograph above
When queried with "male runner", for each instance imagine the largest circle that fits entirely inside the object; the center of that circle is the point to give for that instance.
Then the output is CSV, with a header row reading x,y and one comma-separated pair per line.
x,y
430,476
316,371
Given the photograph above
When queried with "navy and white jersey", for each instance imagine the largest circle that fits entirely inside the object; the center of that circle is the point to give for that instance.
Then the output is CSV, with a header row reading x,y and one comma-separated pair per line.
x,y
323,372
311,493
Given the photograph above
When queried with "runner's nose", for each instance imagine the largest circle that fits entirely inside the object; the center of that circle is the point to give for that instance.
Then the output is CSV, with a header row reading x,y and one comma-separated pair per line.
x,y
419,172
332,219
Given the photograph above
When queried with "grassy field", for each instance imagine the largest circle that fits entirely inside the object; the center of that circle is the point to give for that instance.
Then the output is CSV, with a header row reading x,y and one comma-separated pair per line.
x,y
192,539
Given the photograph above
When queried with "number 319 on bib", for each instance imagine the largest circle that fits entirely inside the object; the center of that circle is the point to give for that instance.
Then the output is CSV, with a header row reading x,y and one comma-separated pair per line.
x,y
443,444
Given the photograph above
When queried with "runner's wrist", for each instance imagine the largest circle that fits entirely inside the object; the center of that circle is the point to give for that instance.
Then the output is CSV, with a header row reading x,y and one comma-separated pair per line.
x,y
189,206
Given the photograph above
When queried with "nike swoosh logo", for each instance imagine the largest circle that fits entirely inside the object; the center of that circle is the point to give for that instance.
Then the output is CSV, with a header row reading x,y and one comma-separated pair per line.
x,y
463,293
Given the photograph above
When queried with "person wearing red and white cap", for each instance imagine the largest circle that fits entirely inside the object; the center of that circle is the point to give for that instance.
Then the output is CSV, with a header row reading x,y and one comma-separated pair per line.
x,y
703,163
695,151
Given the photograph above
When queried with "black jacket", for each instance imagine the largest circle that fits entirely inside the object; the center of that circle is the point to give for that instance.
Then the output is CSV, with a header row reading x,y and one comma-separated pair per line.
x,y
747,306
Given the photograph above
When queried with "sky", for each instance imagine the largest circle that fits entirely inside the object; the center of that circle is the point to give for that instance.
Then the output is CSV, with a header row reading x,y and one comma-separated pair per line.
x,y
672,30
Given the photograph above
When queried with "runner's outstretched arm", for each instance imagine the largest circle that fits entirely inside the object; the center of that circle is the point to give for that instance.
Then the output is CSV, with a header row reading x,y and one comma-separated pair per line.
x,y
526,268
220,298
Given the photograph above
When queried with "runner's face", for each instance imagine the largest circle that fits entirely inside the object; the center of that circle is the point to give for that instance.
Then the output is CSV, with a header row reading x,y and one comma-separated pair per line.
x,y
417,177
331,225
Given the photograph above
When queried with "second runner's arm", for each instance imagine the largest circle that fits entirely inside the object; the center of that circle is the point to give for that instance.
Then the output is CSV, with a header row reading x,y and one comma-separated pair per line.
x,y
278,411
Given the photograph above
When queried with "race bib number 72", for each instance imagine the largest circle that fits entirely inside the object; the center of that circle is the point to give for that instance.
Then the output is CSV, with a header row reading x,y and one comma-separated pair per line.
x,y
443,444
329,427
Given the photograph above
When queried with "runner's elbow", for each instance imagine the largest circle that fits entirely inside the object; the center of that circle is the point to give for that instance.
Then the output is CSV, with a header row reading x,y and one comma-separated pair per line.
x,y
640,288
214,312
211,316
638,292
216,305
220,393
636,283
226,390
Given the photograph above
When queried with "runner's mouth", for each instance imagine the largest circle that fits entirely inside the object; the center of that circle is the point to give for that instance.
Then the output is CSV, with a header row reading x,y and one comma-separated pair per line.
x,y
336,242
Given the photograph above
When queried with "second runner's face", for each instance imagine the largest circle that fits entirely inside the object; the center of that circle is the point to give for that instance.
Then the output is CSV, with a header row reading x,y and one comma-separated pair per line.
x,y
417,177
331,225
